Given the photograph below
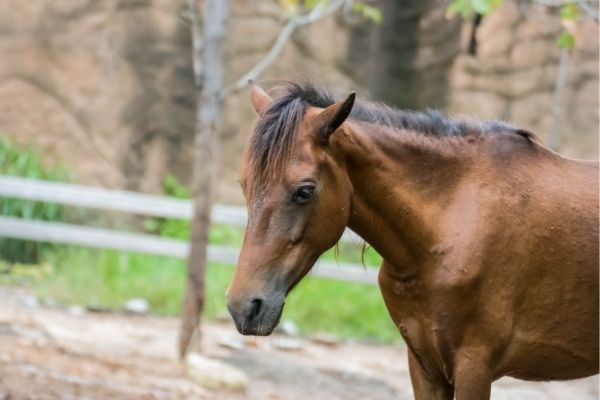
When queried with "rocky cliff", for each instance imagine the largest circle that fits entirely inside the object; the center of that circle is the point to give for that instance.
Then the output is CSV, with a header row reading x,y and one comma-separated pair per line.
x,y
106,86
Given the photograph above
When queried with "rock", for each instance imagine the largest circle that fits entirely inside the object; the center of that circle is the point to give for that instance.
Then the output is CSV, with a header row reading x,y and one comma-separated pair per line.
x,y
324,339
504,18
231,342
76,311
496,45
6,328
250,341
537,27
137,306
29,301
288,344
531,53
95,308
587,38
215,374
288,327
483,104
50,302
223,317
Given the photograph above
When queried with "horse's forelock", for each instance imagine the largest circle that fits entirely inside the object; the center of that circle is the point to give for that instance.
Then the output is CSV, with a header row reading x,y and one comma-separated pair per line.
x,y
272,142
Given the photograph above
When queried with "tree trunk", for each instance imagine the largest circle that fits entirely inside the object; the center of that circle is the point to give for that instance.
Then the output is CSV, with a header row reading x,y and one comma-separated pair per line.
x,y
208,70
561,80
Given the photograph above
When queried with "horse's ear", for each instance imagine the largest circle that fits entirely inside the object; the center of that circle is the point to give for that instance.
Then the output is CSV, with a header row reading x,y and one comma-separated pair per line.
x,y
333,116
259,98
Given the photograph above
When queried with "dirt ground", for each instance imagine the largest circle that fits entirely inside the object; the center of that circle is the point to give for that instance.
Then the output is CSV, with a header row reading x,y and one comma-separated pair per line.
x,y
53,353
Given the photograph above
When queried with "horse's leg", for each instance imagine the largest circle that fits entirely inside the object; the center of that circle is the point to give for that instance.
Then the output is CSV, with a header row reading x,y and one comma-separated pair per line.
x,y
472,376
424,386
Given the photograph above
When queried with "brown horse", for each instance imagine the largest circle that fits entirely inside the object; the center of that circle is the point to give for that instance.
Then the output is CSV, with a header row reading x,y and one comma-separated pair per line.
x,y
490,240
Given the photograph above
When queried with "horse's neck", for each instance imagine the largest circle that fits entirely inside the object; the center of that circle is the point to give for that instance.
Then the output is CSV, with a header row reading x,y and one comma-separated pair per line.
x,y
400,186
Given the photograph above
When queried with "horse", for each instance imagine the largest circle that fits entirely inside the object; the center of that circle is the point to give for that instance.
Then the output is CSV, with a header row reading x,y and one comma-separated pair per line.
x,y
489,239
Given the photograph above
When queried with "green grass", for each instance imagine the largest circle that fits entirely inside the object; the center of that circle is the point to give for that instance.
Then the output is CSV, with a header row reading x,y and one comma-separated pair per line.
x,y
107,279
26,162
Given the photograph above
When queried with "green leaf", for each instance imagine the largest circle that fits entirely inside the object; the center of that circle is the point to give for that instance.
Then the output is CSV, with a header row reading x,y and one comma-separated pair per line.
x,y
569,12
566,40
287,4
481,6
370,12
151,225
290,7
462,7
310,4
26,162
466,8
172,187
373,13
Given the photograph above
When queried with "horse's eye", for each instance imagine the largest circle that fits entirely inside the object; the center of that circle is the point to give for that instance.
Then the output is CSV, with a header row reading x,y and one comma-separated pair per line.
x,y
303,194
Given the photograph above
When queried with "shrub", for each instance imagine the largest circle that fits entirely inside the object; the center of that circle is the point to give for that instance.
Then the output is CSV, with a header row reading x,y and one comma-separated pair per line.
x,y
26,163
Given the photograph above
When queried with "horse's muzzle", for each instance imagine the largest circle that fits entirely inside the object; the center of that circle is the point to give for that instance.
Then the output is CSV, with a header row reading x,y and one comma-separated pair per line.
x,y
257,316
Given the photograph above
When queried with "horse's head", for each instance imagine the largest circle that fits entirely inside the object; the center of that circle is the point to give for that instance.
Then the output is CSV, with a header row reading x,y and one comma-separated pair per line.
x,y
298,200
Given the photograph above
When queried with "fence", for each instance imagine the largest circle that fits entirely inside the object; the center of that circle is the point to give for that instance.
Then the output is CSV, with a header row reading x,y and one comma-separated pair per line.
x,y
143,205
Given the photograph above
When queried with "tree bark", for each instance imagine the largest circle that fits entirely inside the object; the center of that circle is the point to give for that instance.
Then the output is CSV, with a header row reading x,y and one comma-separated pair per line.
x,y
208,71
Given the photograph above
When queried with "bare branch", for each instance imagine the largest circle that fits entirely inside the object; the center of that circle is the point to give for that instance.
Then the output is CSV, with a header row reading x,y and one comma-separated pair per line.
x,y
319,12
585,5
589,10
192,14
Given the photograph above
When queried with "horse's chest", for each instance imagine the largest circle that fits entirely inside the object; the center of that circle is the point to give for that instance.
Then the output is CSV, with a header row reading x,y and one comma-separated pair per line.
x,y
401,292
423,324
403,298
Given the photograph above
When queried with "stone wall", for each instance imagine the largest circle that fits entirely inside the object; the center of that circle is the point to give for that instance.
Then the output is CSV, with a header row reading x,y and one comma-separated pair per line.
x,y
106,86
514,72
102,86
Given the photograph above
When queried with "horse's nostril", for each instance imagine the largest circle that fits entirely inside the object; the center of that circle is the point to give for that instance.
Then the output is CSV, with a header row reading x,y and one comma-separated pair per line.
x,y
256,309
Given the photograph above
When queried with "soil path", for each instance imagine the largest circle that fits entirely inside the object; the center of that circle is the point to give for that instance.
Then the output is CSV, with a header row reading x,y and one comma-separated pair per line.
x,y
49,353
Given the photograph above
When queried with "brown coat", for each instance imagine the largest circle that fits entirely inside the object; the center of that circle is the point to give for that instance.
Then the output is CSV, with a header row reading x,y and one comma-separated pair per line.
x,y
490,240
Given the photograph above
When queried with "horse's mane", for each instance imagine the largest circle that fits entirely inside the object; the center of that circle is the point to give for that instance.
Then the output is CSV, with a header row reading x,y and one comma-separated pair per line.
x,y
275,133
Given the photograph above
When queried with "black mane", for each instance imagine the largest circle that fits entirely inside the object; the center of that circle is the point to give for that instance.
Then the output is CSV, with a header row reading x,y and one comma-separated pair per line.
x,y
275,132
428,122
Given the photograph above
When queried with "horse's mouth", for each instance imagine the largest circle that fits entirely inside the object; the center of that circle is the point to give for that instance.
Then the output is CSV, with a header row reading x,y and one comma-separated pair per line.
x,y
265,327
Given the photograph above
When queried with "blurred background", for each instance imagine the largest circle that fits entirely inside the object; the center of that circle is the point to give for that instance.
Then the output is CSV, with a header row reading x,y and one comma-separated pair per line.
x,y
105,87
103,95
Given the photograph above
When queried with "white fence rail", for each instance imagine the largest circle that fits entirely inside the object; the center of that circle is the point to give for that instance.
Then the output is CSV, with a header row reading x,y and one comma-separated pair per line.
x,y
140,204
122,201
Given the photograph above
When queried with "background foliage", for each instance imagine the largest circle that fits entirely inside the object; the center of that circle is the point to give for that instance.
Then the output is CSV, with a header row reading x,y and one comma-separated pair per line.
x,y
26,162
569,14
